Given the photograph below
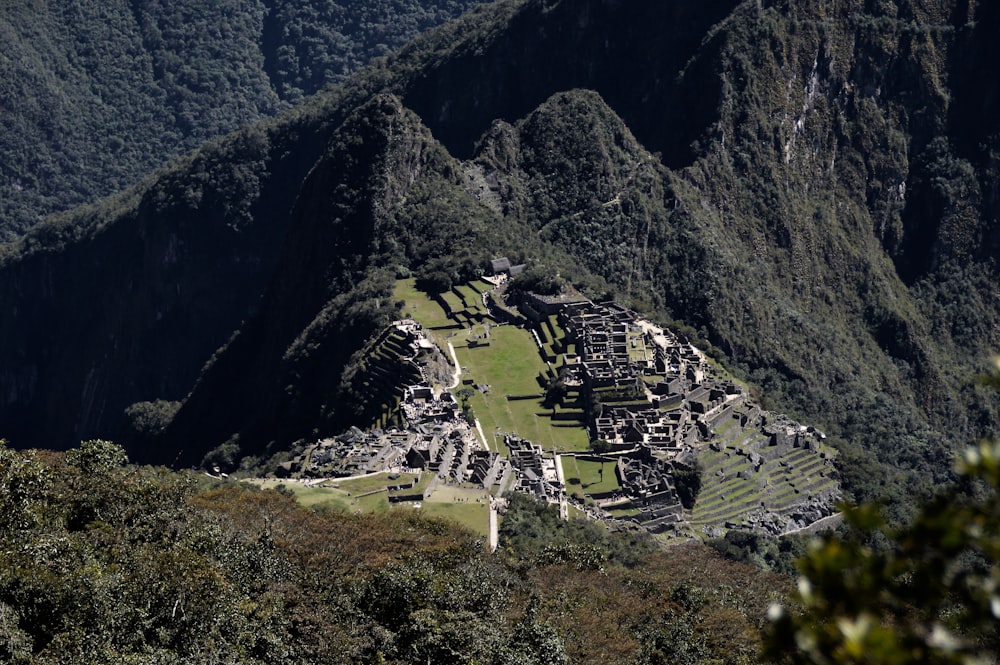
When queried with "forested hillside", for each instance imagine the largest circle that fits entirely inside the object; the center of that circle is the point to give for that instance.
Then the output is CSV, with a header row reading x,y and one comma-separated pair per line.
x,y
96,95
108,563
811,187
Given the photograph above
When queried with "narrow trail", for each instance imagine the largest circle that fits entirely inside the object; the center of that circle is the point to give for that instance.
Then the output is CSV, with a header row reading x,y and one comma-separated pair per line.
x,y
494,537
457,375
482,435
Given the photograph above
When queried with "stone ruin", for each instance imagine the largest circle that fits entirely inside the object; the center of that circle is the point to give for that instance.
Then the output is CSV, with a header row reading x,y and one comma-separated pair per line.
x,y
662,407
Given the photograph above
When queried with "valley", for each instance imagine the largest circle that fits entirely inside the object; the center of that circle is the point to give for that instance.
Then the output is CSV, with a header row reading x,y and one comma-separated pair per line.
x,y
583,277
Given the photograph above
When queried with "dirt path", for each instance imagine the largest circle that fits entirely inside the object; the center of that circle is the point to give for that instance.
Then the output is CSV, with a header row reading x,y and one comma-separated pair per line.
x,y
494,537
457,375
482,436
563,503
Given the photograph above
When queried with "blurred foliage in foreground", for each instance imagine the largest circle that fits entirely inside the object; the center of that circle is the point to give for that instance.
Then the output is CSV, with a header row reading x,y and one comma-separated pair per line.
x,y
928,592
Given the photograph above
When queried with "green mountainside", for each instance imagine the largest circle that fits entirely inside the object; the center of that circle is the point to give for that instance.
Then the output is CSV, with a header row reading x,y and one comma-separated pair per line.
x,y
110,563
810,187
98,94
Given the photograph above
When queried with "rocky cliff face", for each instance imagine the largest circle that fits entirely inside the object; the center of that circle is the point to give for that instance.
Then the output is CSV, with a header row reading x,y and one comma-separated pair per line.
x,y
813,186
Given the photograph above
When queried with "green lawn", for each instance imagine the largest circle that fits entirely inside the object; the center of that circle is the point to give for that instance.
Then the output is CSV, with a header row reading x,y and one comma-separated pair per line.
x,y
421,485
591,479
377,481
473,298
571,473
639,352
338,498
468,507
453,301
474,517
584,477
419,305
480,286
509,365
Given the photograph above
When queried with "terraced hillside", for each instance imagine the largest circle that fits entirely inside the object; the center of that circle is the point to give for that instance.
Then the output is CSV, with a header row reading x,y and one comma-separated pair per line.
x,y
504,371
596,409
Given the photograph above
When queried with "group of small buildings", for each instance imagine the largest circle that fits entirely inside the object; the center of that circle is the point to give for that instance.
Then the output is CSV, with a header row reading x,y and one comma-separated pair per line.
x,y
436,439
654,388
536,471
656,404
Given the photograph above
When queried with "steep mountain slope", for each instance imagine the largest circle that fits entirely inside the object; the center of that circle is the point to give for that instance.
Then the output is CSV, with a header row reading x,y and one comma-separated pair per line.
x,y
130,299
821,205
97,94
834,233
382,193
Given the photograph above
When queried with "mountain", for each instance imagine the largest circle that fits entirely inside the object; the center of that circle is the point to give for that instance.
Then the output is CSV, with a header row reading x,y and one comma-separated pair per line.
x,y
811,187
98,94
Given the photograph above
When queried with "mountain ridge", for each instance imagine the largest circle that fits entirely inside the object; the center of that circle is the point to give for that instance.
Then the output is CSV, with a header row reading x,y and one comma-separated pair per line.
x,y
783,225
98,95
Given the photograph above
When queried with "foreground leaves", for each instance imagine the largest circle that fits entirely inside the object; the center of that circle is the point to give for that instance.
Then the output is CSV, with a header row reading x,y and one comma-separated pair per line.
x,y
924,593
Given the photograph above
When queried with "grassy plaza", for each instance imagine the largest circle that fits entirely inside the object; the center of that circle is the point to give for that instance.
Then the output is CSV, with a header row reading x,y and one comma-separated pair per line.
x,y
506,359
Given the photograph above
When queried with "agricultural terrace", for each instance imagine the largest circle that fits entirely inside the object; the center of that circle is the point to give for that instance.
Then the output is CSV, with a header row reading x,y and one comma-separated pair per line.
x,y
468,507
419,306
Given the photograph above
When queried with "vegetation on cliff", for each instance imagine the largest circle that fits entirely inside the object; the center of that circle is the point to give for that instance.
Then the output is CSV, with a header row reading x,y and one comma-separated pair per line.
x,y
810,187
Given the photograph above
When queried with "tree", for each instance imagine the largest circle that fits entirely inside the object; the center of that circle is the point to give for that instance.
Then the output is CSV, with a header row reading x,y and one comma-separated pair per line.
x,y
97,456
555,393
23,484
600,446
687,482
929,594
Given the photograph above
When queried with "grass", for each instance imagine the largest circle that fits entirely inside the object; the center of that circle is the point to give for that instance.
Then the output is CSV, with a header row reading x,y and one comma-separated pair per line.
x,y
453,301
571,473
420,486
509,366
377,481
468,507
474,517
480,286
639,352
340,499
726,426
473,298
744,495
597,476
584,477
419,306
